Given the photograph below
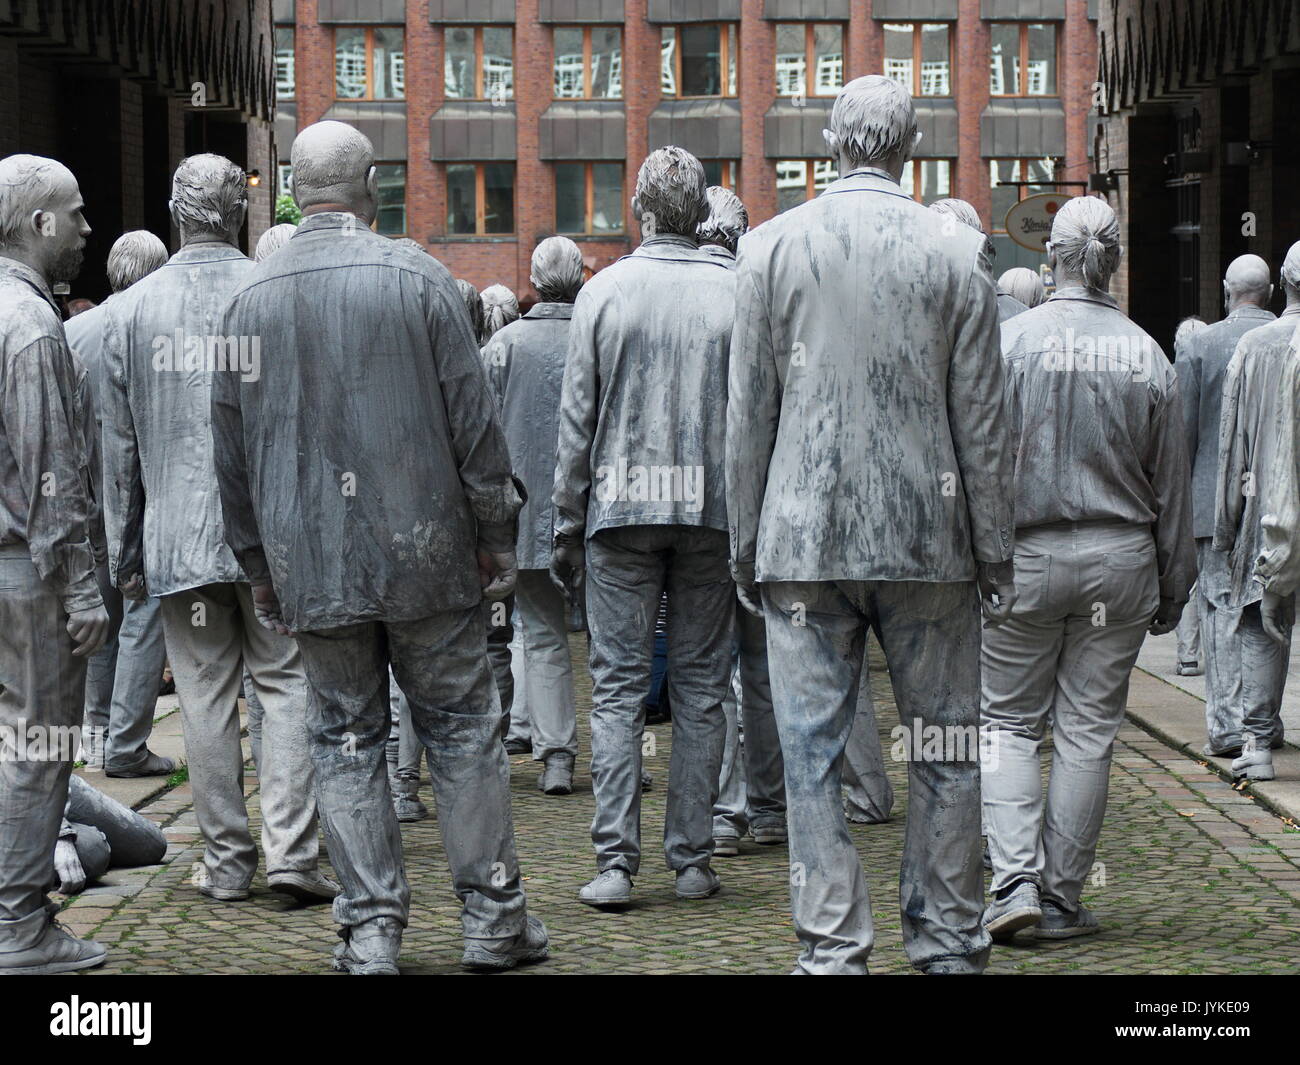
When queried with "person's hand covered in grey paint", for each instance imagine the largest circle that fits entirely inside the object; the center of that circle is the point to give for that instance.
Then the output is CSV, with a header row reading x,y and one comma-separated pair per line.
x,y
266,608
1277,612
67,867
88,629
1166,619
133,589
497,571
750,599
997,585
568,569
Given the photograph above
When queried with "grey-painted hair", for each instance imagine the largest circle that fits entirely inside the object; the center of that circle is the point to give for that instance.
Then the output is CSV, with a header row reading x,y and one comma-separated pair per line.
x,y
330,159
960,210
273,240
27,184
872,118
1189,325
208,194
557,270
1024,284
1085,238
500,308
670,192
727,222
1291,267
473,307
134,255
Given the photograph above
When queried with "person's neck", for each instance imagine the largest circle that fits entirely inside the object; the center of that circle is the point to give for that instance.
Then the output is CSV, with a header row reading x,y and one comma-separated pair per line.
x,y
1292,303
329,208
1070,281
22,255
190,240
1241,303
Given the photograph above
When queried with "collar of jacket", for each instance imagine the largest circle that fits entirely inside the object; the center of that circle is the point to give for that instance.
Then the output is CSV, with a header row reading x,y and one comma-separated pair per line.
x,y
866,179
330,220
719,252
674,248
205,251
1082,292
550,310
24,273
1249,310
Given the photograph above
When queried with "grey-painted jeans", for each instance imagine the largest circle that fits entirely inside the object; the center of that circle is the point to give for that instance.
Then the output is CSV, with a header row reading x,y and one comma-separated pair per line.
x,y
816,636
541,621
1087,593
627,569
441,664
869,794
211,635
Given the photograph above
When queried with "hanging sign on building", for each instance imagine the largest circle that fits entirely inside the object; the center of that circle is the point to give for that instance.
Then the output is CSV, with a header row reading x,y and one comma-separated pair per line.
x,y
1029,222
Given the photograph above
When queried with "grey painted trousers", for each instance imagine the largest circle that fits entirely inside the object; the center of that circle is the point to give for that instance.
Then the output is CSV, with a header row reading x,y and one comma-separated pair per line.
x,y
870,794
1189,629
751,788
1245,669
521,726
498,617
131,837
402,748
541,621
627,569
211,634
441,664
42,688
816,638
122,679
1087,593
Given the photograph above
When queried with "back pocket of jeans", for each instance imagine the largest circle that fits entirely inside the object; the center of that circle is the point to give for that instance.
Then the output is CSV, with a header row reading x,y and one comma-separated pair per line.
x,y
1033,576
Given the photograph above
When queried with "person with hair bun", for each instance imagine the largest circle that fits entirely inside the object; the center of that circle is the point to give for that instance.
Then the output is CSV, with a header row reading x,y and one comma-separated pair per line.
x,y
1103,555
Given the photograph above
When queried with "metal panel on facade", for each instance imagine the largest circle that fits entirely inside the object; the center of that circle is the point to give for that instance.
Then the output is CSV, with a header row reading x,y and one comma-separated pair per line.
x,y
1022,128
807,10
583,129
791,132
383,122
282,11
580,11
370,12
476,11
1022,10
708,129
479,131
937,121
693,11
914,10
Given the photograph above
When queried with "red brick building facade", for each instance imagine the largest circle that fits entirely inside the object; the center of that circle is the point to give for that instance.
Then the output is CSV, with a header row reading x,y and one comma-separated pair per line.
x,y
490,142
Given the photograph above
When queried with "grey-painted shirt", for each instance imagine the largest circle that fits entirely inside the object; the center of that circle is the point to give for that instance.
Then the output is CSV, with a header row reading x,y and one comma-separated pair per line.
x,y
366,461
1009,306
866,438
85,333
1201,366
163,351
47,496
525,363
643,413
1096,412
1249,435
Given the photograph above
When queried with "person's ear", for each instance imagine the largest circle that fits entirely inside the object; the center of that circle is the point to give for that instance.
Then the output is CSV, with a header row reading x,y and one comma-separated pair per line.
x,y
917,137
372,184
832,143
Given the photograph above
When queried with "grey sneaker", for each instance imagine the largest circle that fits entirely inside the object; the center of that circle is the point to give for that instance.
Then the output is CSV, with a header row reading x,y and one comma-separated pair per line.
x,y
1059,923
1005,917
409,809
1189,669
557,775
1226,752
57,951
1255,762
370,948
519,746
531,945
307,887
222,893
769,835
725,846
697,882
613,887
154,765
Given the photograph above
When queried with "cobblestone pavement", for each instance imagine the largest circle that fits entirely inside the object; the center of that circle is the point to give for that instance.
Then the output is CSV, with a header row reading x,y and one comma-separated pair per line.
x,y
1192,877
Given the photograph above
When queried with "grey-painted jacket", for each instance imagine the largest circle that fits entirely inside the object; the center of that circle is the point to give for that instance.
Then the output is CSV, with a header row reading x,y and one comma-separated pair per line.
x,y
1095,407
1248,440
85,334
525,364
1009,306
866,438
47,497
163,352
642,418
1201,368
366,461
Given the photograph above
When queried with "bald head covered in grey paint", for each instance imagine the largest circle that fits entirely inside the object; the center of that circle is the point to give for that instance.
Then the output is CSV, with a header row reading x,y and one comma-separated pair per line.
x,y
728,220
40,216
1247,282
1023,284
273,240
1084,248
1291,271
873,123
334,169
670,193
557,270
134,255
209,199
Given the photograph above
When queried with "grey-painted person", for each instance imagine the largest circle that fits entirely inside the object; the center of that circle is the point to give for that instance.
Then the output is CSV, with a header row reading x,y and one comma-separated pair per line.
x,y
122,677
1188,633
962,211
98,834
1104,555
1231,634
525,363
273,240
371,562
473,308
164,355
640,507
52,615
856,506
1023,285
1255,436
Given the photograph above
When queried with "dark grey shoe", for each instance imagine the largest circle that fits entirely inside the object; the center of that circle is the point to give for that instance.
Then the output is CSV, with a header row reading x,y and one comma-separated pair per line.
x,y
531,945
1005,917
697,882
557,775
370,948
310,889
726,846
154,765
1059,923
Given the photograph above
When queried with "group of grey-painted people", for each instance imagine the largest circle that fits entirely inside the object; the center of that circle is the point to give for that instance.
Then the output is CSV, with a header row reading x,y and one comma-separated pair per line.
x,y
351,484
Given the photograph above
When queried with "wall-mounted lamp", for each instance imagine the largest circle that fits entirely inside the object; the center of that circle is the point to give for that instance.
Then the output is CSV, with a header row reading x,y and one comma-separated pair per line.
x,y
1243,153
1106,181
254,178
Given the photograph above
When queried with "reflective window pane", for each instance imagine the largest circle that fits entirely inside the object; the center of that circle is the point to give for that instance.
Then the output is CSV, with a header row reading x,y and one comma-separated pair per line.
x,y
791,183
1039,170
1002,199
498,63
1004,42
498,197
460,198
936,60
720,172
350,63
732,51
927,180
898,53
284,59
1041,79
570,197
389,63
668,61
607,197
828,59
458,63
391,218
606,63
568,63
823,175
791,60
701,60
